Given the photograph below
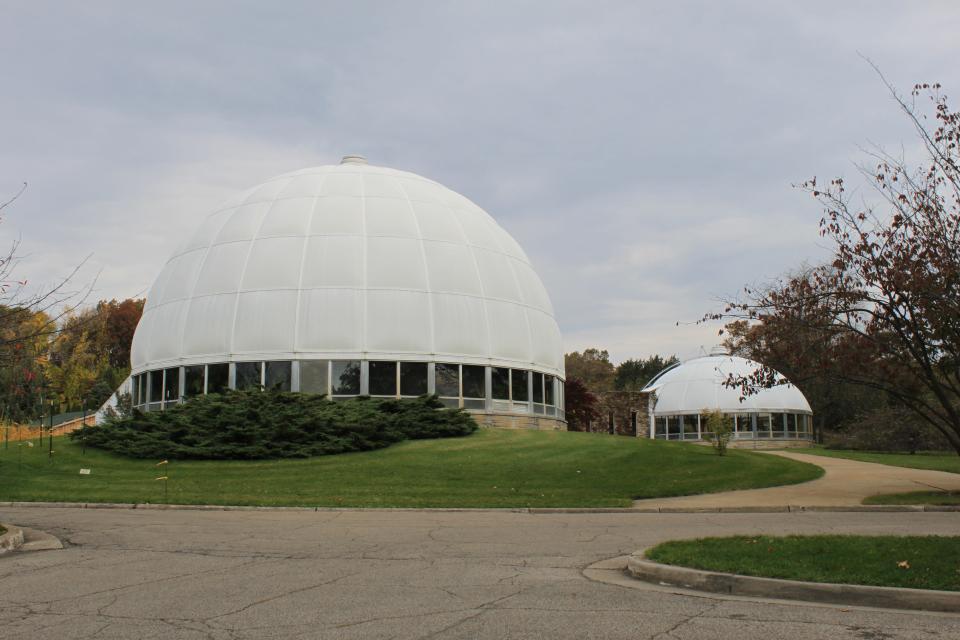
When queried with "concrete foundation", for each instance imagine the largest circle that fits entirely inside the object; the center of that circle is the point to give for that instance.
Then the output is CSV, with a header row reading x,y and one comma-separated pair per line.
x,y
778,443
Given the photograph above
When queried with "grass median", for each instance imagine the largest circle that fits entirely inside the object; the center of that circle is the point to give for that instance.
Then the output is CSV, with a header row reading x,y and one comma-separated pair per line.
x,y
491,468
913,562
939,498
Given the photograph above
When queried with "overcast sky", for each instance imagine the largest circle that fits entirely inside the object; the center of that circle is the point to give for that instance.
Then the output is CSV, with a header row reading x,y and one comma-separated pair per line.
x,y
642,153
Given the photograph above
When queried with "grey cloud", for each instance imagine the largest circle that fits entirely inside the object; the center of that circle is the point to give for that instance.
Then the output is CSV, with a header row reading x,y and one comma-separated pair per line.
x,y
642,153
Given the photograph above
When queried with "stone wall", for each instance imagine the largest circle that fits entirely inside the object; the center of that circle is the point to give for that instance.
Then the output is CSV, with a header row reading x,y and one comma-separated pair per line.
x,y
775,443
519,421
623,413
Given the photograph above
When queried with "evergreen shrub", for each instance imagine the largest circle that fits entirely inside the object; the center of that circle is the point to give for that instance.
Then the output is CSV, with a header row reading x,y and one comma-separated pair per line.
x,y
244,425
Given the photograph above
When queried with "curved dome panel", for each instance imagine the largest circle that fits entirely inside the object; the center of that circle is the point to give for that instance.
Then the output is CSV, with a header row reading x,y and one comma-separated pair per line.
x,y
699,384
349,260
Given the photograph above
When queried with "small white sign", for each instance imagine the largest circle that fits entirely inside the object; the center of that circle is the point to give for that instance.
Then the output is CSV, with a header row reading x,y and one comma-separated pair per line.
x,y
84,472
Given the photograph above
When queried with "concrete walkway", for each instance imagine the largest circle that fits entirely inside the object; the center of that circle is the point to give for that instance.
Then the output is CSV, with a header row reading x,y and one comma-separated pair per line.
x,y
845,484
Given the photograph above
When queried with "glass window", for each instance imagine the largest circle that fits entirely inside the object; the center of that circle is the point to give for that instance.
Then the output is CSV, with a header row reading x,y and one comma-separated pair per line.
x,y
500,383
689,427
218,377
248,375
413,378
763,425
520,385
703,421
313,376
474,385
447,380
134,390
172,384
193,381
345,377
537,387
277,375
777,423
383,378
548,390
660,427
156,385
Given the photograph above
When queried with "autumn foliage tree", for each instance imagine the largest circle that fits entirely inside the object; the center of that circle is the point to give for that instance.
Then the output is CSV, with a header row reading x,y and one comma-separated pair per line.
x,y
90,356
805,361
28,313
22,370
885,312
50,350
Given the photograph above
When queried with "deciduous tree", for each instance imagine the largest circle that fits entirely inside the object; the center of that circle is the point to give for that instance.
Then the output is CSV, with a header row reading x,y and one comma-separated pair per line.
x,y
20,302
592,367
885,313
581,404
633,375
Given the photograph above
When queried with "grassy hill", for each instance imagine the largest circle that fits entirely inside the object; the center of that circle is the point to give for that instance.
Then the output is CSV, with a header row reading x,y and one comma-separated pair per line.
x,y
492,468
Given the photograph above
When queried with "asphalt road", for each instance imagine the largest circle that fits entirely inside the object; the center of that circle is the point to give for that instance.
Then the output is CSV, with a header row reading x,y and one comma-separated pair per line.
x,y
412,574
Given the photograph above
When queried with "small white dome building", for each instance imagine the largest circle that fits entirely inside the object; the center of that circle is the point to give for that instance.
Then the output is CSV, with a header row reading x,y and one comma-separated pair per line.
x,y
680,394
353,280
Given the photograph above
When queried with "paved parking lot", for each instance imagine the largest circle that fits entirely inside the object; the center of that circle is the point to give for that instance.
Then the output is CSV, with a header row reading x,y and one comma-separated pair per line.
x,y
409,574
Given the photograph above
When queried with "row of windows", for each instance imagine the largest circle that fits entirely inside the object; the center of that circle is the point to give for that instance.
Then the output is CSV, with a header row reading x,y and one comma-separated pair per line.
x,y
746,426
457,385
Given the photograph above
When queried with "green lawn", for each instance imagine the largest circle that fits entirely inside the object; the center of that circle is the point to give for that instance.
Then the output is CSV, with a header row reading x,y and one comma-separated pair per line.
x,y
936,461
492,468
932,562
916,497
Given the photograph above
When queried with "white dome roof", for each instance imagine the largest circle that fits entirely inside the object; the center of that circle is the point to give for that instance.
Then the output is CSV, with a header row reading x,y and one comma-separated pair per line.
x,y
349,261
698,384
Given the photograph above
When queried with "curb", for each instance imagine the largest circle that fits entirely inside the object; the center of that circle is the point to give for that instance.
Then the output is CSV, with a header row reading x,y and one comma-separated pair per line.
x,y
793,508
147,506
11,540
738,585
35,540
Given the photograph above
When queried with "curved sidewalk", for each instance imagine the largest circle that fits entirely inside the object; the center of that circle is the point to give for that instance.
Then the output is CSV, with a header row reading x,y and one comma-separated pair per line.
x,y
845,483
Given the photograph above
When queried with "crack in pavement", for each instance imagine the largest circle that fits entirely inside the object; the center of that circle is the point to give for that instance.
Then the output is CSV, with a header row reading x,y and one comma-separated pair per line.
x,y
282,595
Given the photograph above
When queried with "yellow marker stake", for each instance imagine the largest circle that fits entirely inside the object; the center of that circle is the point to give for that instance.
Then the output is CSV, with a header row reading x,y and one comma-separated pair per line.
x,y
164,478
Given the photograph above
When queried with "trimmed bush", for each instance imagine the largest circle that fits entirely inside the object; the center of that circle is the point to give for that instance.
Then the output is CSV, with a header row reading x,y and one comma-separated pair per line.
x,y
244,425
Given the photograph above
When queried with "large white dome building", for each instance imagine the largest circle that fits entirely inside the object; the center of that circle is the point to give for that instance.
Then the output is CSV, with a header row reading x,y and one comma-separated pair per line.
x,y
349,280
679,395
